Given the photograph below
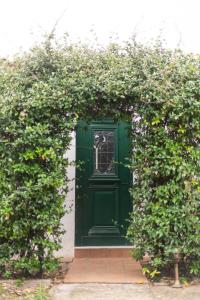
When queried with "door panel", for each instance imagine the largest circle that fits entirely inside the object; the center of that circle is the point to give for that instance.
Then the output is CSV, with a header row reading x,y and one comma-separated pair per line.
x,y
102,197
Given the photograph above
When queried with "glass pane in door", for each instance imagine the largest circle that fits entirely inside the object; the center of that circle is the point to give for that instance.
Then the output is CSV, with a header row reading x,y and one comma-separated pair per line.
x,y
103,152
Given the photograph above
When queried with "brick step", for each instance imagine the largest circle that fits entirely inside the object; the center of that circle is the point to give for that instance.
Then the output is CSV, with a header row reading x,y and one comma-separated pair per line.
x,y
102,252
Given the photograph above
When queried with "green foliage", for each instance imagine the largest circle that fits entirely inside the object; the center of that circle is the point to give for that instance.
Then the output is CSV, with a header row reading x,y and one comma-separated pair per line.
x,y
151,273
19,282
43,93
34,135
41,293
166,164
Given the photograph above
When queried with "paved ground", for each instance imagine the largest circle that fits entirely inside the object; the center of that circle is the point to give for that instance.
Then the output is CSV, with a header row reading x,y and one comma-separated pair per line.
x,y
122,292
105,270
104,265
111,274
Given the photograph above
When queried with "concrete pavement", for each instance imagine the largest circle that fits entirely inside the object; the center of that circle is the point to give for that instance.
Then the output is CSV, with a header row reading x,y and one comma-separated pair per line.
x,y
98,291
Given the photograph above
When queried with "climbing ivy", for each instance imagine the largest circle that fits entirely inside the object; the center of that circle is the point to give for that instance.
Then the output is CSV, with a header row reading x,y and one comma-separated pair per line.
x,y
42,95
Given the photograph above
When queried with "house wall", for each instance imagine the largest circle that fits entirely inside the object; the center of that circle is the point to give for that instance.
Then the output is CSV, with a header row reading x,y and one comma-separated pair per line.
x,y
68,221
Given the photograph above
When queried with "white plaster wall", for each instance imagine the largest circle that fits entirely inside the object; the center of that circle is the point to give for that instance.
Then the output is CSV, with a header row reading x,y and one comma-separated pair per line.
x,y
68,221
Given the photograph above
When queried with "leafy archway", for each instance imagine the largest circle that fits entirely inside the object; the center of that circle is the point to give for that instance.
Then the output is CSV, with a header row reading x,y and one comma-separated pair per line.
x,y
45,92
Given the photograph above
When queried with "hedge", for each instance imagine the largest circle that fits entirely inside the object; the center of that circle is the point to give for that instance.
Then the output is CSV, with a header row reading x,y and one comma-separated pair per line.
x,y
42,95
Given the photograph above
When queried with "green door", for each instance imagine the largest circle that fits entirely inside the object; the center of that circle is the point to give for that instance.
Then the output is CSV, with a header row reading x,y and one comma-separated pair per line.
x,y
102,184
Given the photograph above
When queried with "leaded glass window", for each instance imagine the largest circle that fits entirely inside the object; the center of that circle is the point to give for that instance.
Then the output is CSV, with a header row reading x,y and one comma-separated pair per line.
x,y
104,152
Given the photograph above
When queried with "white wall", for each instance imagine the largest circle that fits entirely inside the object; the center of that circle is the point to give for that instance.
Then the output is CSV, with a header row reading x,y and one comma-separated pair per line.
x,y
68,221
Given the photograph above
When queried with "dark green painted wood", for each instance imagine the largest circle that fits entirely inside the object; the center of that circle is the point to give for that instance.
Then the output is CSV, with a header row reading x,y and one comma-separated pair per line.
x,y
102,201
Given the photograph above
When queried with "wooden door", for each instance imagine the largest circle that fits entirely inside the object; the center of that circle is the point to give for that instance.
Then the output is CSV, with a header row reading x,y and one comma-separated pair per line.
x,y
102,184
